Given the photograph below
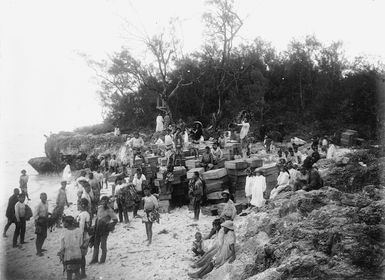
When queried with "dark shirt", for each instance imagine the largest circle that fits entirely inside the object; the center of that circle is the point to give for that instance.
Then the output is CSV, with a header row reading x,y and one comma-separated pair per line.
x,y
10,214
315,180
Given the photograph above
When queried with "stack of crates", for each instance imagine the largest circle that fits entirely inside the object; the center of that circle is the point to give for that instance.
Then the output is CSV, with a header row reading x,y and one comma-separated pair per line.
x,y
230,149
271,173
348,137
236,170
215,181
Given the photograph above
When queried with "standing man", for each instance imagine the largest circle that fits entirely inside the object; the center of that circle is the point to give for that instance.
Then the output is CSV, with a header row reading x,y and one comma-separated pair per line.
x,y
24,182
243,136
105,222
178,140
41,223
20,221
10,214
138,180
113,164
196,194
137,145
61,201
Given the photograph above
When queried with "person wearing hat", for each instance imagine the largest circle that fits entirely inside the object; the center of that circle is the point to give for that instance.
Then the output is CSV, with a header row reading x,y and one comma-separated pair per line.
x,y
217,153
23,182
105,221
229,211
70,251
207,161
137,144
61,202
226,252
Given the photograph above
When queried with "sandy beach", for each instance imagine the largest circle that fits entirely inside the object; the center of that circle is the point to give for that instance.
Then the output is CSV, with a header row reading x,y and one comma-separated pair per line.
x,y
128,257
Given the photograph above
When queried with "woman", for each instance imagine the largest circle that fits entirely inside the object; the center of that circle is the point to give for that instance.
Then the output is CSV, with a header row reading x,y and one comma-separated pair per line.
x,y
70,252
159,123
283,181
151,213
257,186
84,221
226,252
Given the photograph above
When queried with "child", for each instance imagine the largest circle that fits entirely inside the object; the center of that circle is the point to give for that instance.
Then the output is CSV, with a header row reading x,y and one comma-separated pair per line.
x,y
197,245
70,252
23,182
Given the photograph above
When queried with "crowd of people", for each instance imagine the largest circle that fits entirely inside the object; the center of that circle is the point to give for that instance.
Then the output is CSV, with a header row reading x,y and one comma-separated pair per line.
x,y
98,215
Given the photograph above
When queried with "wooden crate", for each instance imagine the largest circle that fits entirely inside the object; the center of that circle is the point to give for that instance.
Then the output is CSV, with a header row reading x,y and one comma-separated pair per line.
x,y
214,174
153,160
236,164
214,195
164,206
237,172
254,162
192,163
165,196
190,173
179,171
214,186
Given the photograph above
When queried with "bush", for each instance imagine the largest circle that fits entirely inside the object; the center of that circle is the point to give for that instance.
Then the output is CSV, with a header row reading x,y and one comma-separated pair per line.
x,y
95,129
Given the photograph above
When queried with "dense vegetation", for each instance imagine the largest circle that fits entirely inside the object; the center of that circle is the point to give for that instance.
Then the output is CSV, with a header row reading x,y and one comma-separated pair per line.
x,y
308,85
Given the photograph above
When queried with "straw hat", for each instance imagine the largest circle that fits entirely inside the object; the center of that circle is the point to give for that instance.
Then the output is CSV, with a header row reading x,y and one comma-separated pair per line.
x,y
226,192
228,224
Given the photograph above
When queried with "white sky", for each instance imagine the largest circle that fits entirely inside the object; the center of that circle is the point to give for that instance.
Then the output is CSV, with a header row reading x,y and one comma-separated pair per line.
x,y
46,86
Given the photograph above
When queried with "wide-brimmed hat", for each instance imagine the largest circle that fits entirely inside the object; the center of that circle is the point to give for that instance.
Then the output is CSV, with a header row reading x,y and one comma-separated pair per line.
x,y
228,224
226,192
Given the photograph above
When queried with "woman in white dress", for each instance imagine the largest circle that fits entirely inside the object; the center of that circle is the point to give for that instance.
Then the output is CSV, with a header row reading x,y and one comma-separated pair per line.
x,y
159,123
258,187
67,173
283,181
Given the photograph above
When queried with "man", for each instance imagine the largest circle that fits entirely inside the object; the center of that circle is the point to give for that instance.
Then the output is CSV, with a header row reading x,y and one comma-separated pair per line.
x,y
61,202
178,145
138,181
229,211
41,223
113,164
95,187
105,169
217,153
105,222
196,194
243,136
20,221
137,145
24,182
207,160
10,214
168,139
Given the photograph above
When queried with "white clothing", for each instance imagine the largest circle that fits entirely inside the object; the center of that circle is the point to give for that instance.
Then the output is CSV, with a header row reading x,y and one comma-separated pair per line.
x,y
185,140
67,173
255,186
138,182
159,142
136,142
168,140
244,130
331,152
83,218
282,182
159,123
293,176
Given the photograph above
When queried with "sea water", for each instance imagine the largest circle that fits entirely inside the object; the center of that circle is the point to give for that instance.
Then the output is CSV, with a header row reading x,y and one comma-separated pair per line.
x,y
16,148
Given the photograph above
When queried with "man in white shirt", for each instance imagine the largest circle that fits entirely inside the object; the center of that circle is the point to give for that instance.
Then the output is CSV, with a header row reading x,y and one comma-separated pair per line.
x,y
20,220
138,180
137,144
41,223
243,136
113,164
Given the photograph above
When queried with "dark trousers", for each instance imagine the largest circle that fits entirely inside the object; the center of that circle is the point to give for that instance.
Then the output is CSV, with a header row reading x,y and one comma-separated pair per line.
x,y
122,213
83,266
40,238
20,230
100,240
9,223
197,210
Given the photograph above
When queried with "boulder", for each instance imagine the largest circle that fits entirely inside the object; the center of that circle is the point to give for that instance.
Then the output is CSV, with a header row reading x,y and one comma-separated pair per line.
x,y
42,165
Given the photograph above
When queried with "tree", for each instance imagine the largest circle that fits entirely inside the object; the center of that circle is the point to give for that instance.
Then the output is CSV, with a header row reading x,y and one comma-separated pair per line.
x,y
223,25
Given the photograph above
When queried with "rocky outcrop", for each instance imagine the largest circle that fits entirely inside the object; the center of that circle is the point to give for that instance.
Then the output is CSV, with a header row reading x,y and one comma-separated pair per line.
x,y
42,165
323,234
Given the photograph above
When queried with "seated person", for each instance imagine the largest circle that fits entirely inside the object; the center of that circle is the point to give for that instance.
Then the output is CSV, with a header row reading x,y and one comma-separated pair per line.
x,y
315,154
217,153
207,159
197,245
282,181
315,181
225,252
301,180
